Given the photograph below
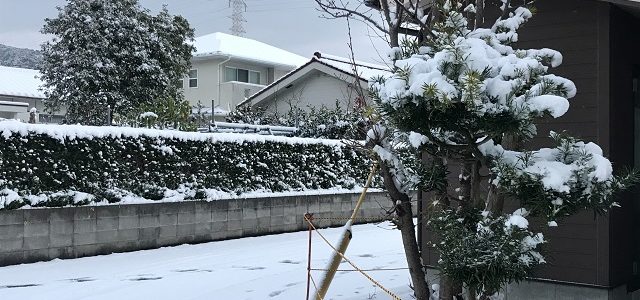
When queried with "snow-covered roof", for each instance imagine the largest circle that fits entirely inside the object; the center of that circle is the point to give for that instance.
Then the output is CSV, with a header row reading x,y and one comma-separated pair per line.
x,y
20,82
323,62
222,44
365,70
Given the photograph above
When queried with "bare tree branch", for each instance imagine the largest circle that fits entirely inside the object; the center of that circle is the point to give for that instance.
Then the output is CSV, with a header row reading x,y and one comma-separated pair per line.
x,y
341,11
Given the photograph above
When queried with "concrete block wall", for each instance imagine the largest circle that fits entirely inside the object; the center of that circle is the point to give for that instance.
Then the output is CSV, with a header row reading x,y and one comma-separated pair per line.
x,y
30,235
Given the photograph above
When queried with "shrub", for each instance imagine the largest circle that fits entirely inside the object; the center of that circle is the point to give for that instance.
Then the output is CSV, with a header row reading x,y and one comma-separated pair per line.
x,y
58,165
312,122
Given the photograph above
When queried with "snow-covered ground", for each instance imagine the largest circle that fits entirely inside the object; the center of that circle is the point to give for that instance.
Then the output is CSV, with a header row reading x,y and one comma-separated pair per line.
x,y
268,267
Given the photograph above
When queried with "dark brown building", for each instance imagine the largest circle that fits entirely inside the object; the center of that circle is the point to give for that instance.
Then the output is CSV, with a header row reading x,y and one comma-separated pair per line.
x,y
591,257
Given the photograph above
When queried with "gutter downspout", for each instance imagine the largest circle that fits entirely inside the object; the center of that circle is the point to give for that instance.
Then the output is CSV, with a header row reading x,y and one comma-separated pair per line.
x,y
220,79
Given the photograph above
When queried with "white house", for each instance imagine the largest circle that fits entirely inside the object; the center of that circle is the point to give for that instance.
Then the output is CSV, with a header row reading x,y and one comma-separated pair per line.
x,y
20,92
323,80
227,69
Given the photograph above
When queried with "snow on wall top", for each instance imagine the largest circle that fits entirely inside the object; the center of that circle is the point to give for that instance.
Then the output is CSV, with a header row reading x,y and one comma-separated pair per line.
x,y
20,82
219,43
62,132
365,70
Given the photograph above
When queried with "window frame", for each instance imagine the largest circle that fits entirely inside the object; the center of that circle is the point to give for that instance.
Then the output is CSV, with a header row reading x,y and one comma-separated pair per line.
x,y
192,78
249,71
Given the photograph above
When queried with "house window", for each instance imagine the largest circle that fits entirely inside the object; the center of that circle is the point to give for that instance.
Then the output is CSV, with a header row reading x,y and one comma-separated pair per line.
x,y
254,77
193,78
242,75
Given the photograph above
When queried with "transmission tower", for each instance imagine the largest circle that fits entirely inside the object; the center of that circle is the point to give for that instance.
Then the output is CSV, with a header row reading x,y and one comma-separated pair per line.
x,y
237,17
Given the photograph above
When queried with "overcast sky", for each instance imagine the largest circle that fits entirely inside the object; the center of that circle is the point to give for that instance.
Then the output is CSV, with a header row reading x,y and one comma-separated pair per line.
x,y
293,25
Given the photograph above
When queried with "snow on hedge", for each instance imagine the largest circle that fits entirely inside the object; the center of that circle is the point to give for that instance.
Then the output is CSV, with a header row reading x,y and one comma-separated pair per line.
x,y
58,165
70,132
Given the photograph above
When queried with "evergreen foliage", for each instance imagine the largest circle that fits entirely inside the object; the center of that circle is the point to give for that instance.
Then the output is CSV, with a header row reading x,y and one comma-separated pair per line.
x,y
314,122
485,251
112,54
57,165
166,113
468,99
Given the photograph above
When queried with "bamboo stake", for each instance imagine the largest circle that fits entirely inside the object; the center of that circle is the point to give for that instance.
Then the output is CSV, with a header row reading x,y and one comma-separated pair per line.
x,y
309,217
334,263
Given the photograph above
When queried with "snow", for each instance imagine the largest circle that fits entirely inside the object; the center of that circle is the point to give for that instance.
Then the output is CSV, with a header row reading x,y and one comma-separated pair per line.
x,y
518,221
212,195
365,70
222,44
149,114
556,174
7,196
62,132
267,267
12,103
424,76
417,139
556,106
509,26
20,82
384,154
217,111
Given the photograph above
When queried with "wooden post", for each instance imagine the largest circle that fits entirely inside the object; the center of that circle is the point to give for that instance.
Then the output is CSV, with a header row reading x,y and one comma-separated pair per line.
x,y
309,217
344,242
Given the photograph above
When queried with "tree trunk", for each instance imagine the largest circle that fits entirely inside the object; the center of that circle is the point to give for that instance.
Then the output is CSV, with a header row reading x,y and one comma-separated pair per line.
x,y
495,197
465,177
407,230
479,13
449,289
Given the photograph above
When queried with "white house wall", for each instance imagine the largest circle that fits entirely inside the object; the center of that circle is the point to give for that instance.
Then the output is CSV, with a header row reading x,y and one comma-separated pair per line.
x,y
24,115
313,90
231,93
207,89
236,92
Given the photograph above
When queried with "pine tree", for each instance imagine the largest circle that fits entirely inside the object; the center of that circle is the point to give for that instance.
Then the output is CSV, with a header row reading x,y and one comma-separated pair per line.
x,y
469,100
112,54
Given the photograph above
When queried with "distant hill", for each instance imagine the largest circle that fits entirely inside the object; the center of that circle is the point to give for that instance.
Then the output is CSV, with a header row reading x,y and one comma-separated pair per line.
x,y
19,57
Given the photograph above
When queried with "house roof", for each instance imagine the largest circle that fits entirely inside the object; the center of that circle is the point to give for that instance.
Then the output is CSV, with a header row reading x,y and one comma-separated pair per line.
x,y
222,44
365,70
330,64
20,82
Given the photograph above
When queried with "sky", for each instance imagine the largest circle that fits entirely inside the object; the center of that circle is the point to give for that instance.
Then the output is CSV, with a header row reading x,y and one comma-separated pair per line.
x,y
293,25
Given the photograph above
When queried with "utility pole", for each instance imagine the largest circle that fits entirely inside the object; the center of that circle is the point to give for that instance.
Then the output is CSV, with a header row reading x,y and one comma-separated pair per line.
x,y
237,17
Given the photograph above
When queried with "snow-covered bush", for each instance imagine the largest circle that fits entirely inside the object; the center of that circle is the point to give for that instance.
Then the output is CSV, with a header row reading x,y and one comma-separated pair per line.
x,y
466,98
56,165
314,122
167,113
557,182
483,250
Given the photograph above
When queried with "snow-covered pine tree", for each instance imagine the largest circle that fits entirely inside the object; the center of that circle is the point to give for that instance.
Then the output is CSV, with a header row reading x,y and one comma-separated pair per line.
x,y
112,53
469,100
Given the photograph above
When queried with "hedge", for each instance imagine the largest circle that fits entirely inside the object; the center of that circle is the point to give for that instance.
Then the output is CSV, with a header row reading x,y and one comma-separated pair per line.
x,y
59,165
